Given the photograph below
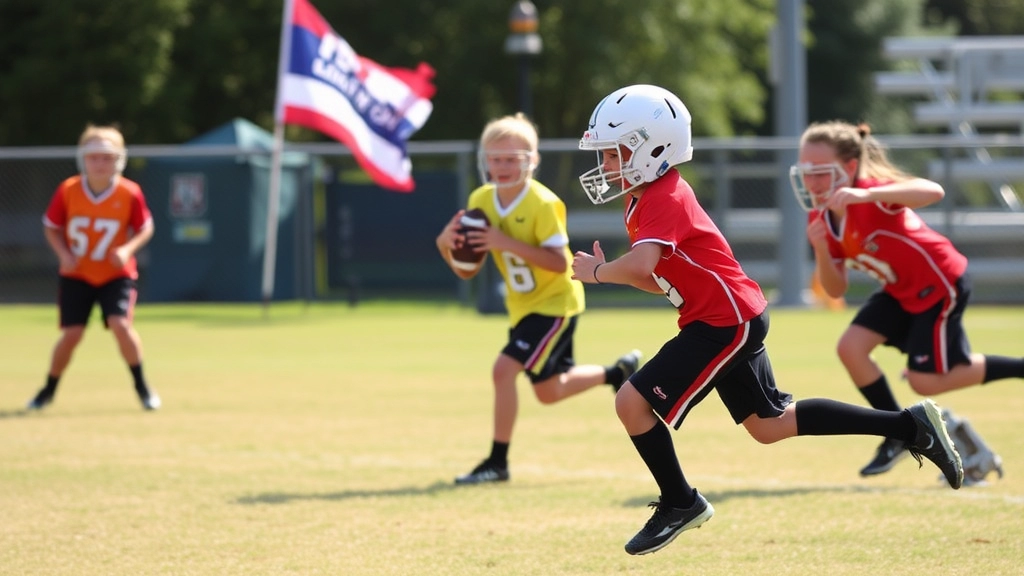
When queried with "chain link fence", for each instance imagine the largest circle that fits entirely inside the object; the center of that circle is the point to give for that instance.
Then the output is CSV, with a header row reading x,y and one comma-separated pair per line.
x,y
344,248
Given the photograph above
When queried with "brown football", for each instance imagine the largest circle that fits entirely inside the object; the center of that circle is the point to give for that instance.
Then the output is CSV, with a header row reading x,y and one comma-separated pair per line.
x,y
463,256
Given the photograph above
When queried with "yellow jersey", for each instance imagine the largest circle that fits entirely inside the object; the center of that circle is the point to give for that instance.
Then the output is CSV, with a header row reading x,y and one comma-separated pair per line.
x,y
536,217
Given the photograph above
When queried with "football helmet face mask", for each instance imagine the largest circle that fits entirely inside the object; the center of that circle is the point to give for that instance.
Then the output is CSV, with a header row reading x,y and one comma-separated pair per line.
x,y
648,127
102,146
505,168
813,184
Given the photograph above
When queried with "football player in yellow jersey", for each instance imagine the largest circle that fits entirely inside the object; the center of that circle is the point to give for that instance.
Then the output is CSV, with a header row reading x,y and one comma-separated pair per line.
x,y
527,238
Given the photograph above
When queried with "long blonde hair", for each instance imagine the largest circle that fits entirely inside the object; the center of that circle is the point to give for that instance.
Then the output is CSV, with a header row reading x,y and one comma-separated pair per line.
x,y
851,142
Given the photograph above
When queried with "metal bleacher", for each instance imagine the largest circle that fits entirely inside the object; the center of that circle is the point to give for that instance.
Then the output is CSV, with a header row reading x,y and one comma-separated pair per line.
x,y
970,83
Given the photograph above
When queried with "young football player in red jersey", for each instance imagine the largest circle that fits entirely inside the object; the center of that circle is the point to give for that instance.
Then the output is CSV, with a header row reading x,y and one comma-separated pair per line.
x,y
95,224
640,133
861,216
528,239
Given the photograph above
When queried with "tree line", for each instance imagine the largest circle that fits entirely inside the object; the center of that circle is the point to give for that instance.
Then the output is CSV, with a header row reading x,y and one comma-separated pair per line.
x,y
169,70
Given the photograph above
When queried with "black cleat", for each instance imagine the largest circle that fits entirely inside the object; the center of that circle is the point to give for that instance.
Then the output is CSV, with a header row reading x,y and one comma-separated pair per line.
x,y
484,473
629,363
890,451
933,442
41,400
667,523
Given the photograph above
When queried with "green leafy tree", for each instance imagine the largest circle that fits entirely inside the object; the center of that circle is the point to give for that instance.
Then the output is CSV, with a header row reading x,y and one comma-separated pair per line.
x,y
710,52
846,52
64,64
224,66
171,69
979,17
168,70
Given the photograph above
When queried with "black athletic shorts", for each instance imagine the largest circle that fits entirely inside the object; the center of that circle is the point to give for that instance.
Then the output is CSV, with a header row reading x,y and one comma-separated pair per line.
x,y
731,360
934,340
542,344
76,299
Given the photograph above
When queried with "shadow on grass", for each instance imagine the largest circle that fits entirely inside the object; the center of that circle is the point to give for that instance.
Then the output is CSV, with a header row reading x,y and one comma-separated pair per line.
x,y
49,414
285,497
718,496
638,502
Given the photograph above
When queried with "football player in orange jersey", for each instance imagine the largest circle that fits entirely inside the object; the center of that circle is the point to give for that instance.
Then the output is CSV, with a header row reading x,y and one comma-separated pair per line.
x,y
95,223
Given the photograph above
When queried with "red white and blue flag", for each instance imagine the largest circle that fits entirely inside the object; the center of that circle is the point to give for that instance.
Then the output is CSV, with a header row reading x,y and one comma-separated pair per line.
x,y
372,109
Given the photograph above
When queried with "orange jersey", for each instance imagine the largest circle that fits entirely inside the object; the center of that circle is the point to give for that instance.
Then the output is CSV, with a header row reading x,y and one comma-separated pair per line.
x,y
95,225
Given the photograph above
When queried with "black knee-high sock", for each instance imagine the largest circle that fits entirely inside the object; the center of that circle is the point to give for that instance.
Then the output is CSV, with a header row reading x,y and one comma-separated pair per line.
x,y
999,367
613,375
657,451
499,454
51,384
140,380
879,395
823,417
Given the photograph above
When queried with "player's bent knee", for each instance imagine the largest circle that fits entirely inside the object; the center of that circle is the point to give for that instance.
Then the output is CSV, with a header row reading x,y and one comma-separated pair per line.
x,y
764,430
505,369
850,353
924,384
631,408
762,437
547,392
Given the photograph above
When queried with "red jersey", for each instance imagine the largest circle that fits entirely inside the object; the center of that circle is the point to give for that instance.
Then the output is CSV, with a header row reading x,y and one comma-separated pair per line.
x,y
697,270
95,224
915,264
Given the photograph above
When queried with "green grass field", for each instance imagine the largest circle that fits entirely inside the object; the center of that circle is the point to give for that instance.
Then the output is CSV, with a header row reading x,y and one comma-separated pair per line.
x,y
324,440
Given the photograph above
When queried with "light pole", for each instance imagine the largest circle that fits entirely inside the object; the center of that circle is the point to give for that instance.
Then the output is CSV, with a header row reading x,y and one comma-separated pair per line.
x,y
524,42
790,120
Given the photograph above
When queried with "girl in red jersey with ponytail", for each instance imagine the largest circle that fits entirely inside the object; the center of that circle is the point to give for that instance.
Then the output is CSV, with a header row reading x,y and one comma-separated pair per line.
x,y
861,216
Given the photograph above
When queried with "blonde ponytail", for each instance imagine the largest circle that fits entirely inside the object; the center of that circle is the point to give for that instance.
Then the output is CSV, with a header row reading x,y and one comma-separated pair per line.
x,y
849,142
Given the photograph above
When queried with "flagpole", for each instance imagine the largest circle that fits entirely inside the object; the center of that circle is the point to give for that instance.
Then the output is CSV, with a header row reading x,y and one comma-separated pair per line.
x,y
274,193
273,211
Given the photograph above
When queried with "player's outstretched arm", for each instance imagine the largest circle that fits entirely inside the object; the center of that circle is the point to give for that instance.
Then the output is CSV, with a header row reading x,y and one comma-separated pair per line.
x,y
912,193
634,268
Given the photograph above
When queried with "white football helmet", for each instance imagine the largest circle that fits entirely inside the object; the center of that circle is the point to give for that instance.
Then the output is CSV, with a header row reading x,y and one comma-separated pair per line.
x,y
825,179
649,121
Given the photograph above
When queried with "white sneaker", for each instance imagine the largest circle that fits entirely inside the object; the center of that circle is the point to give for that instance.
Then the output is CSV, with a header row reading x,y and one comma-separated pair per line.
x,y
150,401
